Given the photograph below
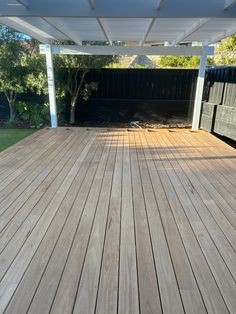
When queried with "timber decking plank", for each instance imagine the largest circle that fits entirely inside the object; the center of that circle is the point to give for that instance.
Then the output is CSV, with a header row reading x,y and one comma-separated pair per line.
x,y
38,201
219,182
222,276
169,290
14,163
32,277
111,221
128,299
199,267
107,295
12,191
148,284
19,265
76,233
88,284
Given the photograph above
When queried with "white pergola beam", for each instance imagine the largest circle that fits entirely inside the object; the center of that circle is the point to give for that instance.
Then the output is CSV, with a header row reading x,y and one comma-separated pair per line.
x,y
229,3
128,50
25,3
192,29
147,32
63,32
15,23
51,85
159,4
220,36
199,90
104,30
91,3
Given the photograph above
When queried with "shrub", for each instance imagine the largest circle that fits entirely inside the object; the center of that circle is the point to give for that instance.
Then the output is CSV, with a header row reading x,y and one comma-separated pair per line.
x,y
35,115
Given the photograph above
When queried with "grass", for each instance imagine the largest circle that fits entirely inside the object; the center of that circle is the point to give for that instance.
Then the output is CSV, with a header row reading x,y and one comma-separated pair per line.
x,y
9,137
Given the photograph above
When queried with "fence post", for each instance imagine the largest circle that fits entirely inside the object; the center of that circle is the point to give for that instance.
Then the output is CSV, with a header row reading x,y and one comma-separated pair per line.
x,y
199,91
51,86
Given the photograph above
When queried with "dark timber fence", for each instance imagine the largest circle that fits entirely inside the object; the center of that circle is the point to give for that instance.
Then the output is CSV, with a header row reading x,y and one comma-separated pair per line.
x,y
125,95
219,102
139,94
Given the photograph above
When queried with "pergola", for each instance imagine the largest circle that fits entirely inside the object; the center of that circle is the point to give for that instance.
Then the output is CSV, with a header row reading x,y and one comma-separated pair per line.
x,y
147,27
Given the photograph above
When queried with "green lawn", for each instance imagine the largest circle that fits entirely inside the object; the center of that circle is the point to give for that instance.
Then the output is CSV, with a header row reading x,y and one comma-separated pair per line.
x,y
9,137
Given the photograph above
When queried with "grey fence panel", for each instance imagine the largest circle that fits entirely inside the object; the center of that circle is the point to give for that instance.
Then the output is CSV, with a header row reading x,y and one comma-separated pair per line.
x,y
219,105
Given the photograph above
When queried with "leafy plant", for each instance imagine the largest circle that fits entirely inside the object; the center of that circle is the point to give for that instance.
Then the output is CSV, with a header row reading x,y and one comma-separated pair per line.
x,y
33,114
88,89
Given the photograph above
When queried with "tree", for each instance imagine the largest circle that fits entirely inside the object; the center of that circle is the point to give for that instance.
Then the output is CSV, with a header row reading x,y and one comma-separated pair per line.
x,y
12,72
22,68
77,67
226,52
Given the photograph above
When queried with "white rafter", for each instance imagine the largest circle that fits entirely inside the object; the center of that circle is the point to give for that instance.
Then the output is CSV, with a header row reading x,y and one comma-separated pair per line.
x,y
25,3
147,32
159,4
78,42
91,3
220,36
229,3
192,29
104,30
25,28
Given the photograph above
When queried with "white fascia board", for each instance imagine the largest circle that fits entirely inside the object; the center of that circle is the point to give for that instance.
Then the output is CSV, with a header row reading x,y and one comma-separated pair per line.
x,y
121,9
192,29
15,23
127,50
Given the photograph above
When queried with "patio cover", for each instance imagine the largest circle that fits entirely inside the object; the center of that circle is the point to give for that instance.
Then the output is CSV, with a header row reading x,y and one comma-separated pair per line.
x,y
147,27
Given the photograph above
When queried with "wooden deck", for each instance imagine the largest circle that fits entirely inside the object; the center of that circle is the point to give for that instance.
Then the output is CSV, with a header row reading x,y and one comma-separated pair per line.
x,y
99,221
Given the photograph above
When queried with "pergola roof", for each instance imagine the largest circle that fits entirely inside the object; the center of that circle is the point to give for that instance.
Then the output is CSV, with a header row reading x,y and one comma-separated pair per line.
x,y
132,21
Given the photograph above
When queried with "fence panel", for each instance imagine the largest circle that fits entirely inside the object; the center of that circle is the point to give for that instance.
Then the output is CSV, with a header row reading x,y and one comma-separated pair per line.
x,y
219,106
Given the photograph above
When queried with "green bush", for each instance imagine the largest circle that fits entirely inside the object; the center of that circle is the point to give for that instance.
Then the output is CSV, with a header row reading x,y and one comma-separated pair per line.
x,y
35,115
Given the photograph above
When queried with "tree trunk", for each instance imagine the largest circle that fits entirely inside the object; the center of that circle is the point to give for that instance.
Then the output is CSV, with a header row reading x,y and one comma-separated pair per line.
x,y
72,110
75,95
12,111
11,98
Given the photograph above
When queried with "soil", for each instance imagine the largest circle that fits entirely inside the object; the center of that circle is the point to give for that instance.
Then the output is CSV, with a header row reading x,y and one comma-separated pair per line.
x,y
138,124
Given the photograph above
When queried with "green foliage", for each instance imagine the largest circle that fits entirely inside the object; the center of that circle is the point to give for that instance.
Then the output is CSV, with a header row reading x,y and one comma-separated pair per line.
x,y
33,114
226,52
88,90
139,66
12,72
22,68
179,62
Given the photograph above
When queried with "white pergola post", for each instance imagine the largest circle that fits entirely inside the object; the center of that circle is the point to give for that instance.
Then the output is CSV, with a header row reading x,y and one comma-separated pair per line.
x,y
51,85
199,91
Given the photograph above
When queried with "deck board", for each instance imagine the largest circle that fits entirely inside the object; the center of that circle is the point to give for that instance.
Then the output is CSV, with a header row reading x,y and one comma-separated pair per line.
x,y
118,221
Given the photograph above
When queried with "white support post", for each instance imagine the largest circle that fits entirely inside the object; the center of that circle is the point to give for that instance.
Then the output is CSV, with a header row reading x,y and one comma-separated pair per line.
x,y
51,86
199,91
